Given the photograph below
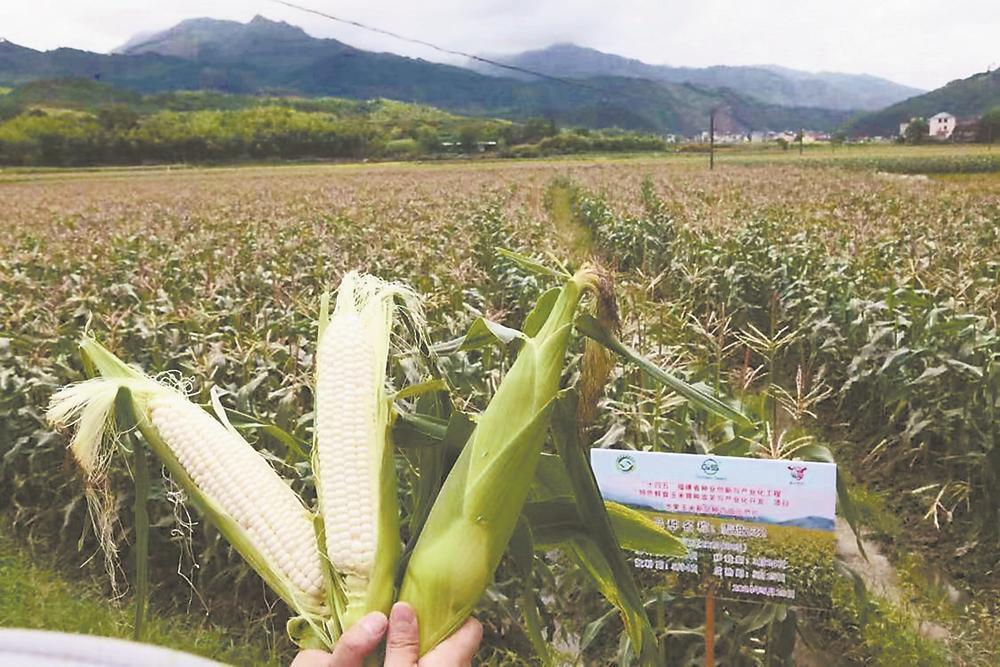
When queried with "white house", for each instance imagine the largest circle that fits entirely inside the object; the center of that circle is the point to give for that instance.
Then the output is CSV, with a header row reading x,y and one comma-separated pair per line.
x,y
941,125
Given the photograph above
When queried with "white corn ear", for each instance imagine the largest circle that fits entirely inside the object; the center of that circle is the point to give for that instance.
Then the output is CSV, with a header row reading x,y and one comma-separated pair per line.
x,y
229,471
233,485
353,458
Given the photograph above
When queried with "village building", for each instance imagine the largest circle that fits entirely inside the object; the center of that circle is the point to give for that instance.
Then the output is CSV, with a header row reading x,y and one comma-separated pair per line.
x,y
941,125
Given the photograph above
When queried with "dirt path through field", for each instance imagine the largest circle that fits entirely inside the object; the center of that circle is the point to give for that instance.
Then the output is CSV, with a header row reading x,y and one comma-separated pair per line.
x,y
576,238
879,574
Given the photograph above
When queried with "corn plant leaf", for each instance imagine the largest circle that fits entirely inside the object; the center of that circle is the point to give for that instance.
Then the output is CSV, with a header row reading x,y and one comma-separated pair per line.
x,y
593,629
413,390
559,519
592,328
637,532
414,429
522,553
814,452
600,554
735,447
553,521
850,512
930,374
433,464
295,447
781,637
487,332
481,333
757,619
533,265
140,476
591,559
861,597
245,391
551,480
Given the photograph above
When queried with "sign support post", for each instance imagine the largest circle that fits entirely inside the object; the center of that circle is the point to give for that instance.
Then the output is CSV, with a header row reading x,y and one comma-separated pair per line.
x,y
710,626
711,140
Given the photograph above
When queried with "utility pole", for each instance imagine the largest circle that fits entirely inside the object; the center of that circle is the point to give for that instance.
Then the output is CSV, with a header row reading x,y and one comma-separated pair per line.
x,y
802,138
711,139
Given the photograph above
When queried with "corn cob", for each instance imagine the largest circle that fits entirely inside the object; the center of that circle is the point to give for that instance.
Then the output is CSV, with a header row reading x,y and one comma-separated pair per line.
x,y
233,485
353,460
475,513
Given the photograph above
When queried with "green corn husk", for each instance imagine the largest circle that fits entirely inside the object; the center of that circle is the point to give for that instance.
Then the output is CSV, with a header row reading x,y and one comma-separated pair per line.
x,y
477,510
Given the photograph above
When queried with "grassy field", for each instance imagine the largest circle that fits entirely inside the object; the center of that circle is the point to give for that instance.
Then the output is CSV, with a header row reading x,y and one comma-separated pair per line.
x,y
33,594
840,307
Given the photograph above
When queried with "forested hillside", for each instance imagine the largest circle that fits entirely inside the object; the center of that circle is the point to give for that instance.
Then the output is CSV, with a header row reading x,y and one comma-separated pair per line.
x,y
964,98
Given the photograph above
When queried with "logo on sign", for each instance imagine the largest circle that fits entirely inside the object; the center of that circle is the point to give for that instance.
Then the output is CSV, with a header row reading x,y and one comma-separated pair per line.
x,y
798,472
625,463
710,467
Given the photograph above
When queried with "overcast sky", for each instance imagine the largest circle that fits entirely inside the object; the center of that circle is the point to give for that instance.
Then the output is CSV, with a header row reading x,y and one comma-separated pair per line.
x,y
922,43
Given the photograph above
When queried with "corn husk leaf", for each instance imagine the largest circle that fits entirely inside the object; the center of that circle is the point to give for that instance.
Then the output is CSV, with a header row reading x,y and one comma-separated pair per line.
x,y
536,318
480,501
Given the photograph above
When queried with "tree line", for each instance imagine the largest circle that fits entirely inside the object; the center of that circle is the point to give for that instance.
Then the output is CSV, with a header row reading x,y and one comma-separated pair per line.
x,y
118,134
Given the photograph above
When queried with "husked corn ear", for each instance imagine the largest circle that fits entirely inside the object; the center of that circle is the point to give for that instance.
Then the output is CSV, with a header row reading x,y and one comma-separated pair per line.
x,y
474,515
230,482
349,431
227,470
353,459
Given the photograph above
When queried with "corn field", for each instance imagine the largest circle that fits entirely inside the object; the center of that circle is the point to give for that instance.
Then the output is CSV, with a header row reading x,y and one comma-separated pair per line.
x,y
844,310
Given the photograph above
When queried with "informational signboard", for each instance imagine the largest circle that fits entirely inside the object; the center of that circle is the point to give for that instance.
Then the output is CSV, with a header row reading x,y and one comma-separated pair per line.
x,y
756,529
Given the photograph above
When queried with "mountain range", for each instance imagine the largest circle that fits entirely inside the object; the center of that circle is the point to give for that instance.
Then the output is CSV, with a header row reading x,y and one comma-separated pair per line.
x,y
768,83
276,58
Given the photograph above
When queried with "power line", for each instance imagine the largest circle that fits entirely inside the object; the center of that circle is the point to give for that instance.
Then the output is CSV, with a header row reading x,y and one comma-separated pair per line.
x,y
454,52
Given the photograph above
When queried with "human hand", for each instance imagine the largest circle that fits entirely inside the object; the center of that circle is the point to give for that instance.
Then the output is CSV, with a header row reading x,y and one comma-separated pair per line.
x,y
402,644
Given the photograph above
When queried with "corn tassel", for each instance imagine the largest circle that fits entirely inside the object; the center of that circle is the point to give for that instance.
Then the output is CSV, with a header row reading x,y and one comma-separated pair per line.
x,y
475,513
